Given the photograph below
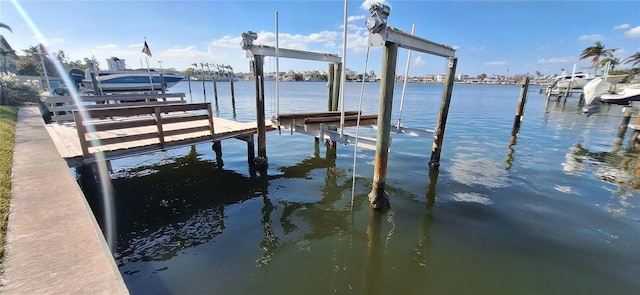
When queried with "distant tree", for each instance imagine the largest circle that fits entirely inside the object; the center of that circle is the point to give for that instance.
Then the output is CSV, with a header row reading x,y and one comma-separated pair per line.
x,y
613,62
190,72
634,59
595,52
481,77
538,74
27,67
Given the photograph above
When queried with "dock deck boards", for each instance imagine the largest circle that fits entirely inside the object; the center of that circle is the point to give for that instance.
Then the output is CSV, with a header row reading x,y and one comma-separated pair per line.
x,y
65,138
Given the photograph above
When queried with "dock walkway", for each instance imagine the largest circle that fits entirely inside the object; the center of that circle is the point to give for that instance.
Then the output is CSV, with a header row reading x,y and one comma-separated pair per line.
x,y
141,129
54,244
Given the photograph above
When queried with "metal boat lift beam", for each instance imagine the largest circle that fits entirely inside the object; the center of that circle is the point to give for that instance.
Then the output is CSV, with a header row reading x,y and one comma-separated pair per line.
x,y
264,50
380,33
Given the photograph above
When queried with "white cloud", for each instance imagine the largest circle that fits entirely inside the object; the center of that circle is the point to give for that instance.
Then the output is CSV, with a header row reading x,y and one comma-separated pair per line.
x,y
419,61
476,48
556,60
633,33
108,47
355,17
622,27
495,63
368,3
592,37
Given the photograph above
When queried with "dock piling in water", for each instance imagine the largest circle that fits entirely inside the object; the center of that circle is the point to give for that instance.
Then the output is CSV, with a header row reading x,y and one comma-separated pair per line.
x,y
622,128
438,135
336,87
524,88
330,72
378,197
261,162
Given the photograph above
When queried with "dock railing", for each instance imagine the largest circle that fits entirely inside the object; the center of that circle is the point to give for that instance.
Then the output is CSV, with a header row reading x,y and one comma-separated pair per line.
x,y
143,127
61,107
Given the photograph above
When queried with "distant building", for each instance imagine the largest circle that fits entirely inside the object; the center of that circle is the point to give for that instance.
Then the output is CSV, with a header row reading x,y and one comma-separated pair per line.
x,y
9,57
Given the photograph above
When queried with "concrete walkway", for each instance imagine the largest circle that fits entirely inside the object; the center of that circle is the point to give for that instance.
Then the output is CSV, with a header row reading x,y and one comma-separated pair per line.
x,y
54,244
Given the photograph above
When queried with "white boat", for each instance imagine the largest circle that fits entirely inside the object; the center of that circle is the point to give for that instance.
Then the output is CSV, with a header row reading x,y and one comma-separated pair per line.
x,y
568,82
118,78
624,97
599,87
592,92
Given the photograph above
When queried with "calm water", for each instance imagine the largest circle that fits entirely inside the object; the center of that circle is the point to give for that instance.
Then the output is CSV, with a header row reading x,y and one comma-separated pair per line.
x,y
554,211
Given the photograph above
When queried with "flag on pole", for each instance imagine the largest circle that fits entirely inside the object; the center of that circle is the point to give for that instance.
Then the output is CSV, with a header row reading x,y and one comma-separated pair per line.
x,y
146,49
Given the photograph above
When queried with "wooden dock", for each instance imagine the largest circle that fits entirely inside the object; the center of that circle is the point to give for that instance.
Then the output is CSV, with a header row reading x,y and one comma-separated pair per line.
x,y
120,130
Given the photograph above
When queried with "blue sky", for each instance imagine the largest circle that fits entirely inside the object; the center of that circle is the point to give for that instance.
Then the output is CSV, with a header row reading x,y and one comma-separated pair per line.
x,y
491,37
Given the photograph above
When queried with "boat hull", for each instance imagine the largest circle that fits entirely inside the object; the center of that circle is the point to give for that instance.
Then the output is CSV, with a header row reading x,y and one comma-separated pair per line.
x,y
133,81
625,97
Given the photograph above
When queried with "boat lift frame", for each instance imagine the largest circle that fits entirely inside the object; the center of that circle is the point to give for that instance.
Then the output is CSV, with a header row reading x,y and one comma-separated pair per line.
x,y
257,53
380,34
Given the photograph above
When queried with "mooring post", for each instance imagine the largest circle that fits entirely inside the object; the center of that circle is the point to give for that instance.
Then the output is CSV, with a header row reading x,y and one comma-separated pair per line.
x,y
622,128
189,82
215,89
97,90
261,162
204,89
521,103
233,95
438,135
330,86
336,87
251,152
378,198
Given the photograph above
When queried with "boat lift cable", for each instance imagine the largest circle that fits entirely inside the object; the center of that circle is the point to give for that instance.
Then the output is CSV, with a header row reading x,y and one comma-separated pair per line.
x,y
277,70
355,146
404,84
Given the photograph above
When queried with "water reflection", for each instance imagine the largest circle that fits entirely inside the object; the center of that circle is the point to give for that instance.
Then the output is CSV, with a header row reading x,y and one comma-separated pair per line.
x,y
612,166
182,204
164,208
619,168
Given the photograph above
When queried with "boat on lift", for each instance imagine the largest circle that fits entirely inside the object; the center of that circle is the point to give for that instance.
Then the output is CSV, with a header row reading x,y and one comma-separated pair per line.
x,y
627,95
120,79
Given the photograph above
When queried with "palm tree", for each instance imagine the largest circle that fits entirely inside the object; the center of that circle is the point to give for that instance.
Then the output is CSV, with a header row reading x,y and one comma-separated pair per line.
x,y
634,59
595,52
613,62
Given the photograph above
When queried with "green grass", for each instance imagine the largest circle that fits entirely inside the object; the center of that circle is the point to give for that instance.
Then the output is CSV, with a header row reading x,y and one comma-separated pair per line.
x,y
8,116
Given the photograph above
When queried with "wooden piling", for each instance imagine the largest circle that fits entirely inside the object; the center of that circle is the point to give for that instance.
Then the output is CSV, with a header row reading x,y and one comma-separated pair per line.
x,y
251,152
94,81
215,89
204,89
330,86
622,128
438,135
189,82
378,198
233,95
336,87
261,162
521,103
